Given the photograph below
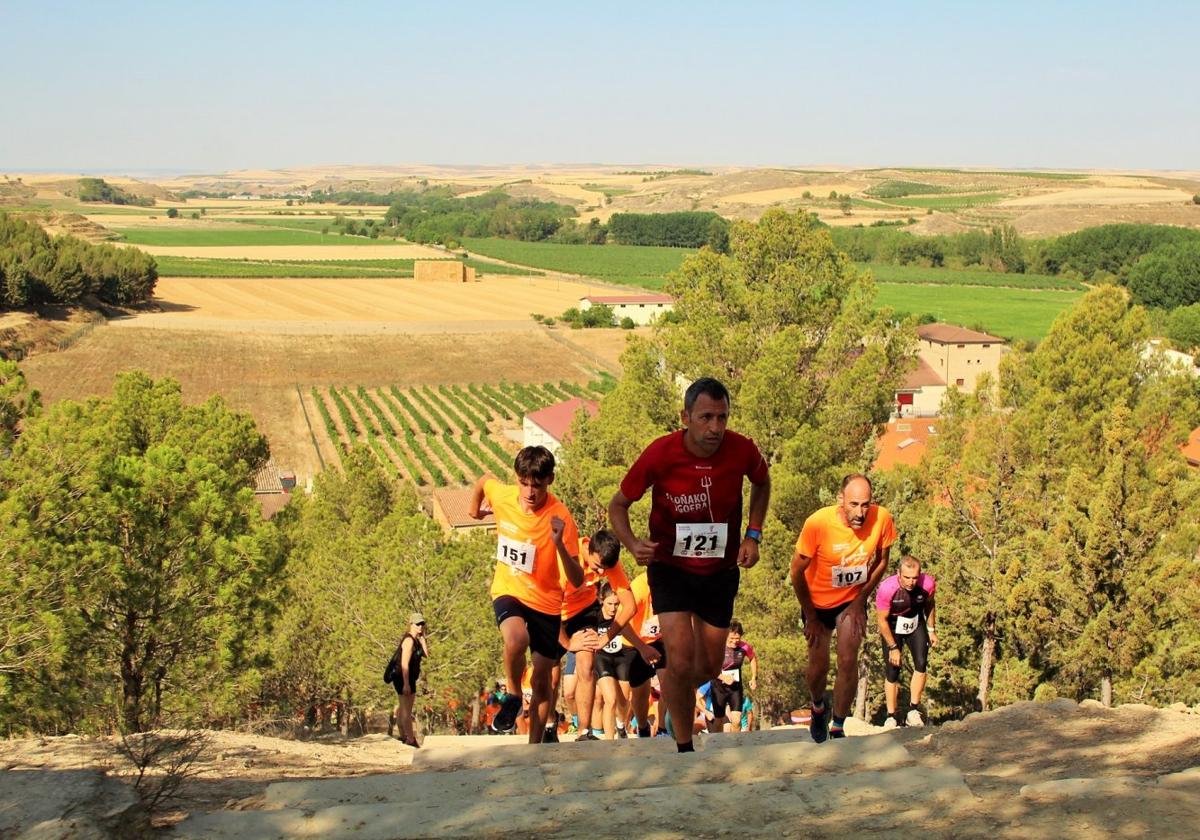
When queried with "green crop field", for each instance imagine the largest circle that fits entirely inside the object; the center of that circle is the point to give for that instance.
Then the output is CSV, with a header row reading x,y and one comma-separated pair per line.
x,y
635,265
309,223
949,202
200,267
1011,313
886,273
183,236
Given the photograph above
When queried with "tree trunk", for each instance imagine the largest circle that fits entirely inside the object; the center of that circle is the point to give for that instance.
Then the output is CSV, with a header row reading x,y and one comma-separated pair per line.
x,y
987,655
860,694
131,678
474,716
1106,690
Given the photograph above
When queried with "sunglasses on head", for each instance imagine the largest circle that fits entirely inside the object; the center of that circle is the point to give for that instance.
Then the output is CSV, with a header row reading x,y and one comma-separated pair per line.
x,y
419,623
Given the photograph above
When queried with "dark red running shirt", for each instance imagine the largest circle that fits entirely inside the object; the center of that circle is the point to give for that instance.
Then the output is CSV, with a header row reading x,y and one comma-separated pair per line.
x,y
692,491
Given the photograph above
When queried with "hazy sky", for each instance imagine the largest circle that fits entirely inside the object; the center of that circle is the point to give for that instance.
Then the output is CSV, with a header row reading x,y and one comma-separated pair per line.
x,y
205,86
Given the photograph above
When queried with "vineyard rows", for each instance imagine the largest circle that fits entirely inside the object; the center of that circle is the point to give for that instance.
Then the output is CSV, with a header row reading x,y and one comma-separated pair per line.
x,y
438,435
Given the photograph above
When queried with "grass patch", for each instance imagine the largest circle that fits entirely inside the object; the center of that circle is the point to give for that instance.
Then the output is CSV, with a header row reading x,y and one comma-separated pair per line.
x,y
949,202
200,267
634,265
184,236
900,189
1011,313
609,192
887,273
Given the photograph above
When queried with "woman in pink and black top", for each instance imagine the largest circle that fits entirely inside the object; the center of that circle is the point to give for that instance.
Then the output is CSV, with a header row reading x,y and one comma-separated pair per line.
x,y
907,615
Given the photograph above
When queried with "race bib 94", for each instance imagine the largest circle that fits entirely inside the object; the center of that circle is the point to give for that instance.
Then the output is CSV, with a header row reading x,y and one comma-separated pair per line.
x,y
906,624
700,539
843,576
517,555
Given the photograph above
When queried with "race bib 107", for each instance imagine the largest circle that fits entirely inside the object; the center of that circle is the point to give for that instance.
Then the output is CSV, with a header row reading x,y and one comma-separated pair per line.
x,y
843,576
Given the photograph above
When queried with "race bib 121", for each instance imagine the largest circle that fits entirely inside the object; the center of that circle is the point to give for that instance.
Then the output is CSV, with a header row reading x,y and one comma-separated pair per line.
x,y
700,539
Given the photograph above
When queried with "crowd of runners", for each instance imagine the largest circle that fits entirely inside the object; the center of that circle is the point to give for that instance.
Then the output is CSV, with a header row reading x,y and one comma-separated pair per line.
x,y
662,653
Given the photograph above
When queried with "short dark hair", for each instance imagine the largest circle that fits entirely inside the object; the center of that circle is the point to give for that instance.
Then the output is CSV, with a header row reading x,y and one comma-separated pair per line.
x,y
603,590
854,477
605,543
735,626
908,560
534,462
704,385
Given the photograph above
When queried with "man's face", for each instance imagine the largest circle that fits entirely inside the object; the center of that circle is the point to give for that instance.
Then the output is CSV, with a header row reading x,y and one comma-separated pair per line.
x,y
908,576
532,492
855,501
734,638
591,563
705,423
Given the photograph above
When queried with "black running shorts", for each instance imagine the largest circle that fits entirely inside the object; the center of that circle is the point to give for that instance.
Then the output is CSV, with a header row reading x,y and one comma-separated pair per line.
x,y
708,597
917,643
727,697
543,627
582,620
640,670
614,664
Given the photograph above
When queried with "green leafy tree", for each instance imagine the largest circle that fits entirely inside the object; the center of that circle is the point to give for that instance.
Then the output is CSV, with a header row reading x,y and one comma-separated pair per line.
x,y
1183,327
132,540
1103,558
363,556
1167,277
17,401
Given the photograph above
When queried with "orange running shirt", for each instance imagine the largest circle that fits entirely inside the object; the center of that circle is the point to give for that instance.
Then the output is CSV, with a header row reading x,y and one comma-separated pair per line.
x,y
841,556
645,620
527,563
576,599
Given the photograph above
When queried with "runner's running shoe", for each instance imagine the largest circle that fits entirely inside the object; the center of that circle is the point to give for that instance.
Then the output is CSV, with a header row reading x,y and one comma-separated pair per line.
x,y
506,718
818,726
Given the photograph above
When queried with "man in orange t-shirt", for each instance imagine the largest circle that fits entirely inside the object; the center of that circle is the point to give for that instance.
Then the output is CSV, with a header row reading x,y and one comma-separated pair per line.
x,y
841,555
644,635
533,532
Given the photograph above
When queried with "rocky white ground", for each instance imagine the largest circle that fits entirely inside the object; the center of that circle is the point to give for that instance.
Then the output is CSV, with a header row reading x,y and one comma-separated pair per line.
x,y
1031,770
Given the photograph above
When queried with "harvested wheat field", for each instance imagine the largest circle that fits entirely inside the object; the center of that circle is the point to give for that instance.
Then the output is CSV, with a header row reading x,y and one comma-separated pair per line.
x,y
348,306
296,252
258,372
1106,196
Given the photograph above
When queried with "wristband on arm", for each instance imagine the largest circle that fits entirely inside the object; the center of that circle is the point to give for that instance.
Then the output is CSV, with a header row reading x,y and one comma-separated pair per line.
x,y
754,534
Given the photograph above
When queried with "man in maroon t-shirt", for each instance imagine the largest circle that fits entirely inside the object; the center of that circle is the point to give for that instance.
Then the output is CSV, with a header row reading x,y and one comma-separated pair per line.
x,y
696,548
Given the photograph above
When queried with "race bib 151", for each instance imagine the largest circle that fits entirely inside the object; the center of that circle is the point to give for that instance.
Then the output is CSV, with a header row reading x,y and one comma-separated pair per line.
x,y
515,554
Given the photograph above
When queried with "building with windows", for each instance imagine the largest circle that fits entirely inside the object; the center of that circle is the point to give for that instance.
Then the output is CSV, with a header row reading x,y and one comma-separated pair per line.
x,y
642,309
958,355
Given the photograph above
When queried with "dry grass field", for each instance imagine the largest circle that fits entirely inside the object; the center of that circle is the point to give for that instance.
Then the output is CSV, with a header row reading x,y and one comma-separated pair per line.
x,y
497,302
258,372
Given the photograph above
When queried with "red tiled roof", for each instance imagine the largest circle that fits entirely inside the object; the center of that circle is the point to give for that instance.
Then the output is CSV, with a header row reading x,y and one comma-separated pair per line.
x,y
905,441
615,300
556,419
952,334
1191,450
454,502
924,375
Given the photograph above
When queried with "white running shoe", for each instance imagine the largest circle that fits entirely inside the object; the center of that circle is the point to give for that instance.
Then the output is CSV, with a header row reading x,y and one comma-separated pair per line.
x,y
914,718
890,722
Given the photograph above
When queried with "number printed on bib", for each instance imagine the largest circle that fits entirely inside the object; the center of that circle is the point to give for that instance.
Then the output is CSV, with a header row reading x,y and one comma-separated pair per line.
x,y
614,646
650,626
700,539
906,624
734,674
843,576
515,554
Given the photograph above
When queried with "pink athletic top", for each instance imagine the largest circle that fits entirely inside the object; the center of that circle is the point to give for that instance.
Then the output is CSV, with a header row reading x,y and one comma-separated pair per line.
x,y
893,599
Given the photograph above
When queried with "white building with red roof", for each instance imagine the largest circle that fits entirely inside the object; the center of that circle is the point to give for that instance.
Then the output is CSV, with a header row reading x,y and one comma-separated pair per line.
x,y
641,308
549,426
